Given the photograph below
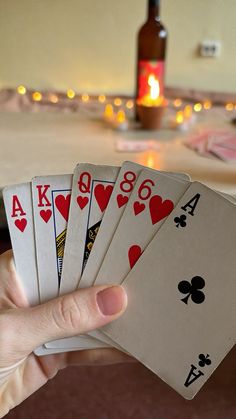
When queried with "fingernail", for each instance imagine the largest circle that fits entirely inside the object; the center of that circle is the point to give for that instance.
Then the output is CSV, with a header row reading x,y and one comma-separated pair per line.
x,y
111,300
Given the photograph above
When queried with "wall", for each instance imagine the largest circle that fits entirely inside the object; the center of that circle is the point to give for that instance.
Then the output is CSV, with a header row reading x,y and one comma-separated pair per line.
x,y
90,45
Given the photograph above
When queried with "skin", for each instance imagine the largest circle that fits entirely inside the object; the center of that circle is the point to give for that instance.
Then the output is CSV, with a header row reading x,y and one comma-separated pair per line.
x,y
23,328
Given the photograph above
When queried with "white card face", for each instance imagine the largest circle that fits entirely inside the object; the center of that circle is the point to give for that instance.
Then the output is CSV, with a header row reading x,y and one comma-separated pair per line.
x,y
153,198
92,188
51,202
18,205
181,317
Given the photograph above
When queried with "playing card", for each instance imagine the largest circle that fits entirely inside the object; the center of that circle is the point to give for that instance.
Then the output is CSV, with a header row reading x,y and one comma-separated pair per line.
x,y
91,191
226,139
173,323
78,343
224,153
92,188
153,199
18,206
51,201
122,190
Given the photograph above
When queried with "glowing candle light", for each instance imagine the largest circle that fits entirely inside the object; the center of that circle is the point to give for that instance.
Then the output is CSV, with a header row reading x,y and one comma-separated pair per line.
x,y
129,104
153,97
197,107
85,97
53,98
70,94
179,117
188,111
151,106
37,97
117,101
21,90
109,112
177,103
229,107
154,87
102,98
121,123
207,104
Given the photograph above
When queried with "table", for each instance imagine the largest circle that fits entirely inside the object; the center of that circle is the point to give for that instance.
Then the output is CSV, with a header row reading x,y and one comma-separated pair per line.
x,y
52,143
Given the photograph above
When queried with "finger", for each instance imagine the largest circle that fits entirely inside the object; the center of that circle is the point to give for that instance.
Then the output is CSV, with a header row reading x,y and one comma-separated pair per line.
x,y
11,290
66,316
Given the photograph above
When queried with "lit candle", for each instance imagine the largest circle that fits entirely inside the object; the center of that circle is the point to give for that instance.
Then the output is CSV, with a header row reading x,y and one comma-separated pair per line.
x,y
180,121
153,97
109,113
121,123
189,116
151,106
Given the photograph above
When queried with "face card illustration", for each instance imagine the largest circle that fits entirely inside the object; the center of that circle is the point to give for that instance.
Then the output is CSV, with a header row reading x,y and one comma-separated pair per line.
x,y
91,191
186,282
18,206
153,199
51,202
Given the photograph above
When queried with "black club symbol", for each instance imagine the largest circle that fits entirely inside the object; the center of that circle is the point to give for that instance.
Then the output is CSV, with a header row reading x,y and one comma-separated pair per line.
x,y
204,360
180,221
193,289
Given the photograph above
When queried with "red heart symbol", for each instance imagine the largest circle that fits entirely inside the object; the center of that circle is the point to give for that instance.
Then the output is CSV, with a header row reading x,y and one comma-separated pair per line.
x,y
46,215
63,205
102,194
21,224
159,209
82,201
135,252
138,207
121,200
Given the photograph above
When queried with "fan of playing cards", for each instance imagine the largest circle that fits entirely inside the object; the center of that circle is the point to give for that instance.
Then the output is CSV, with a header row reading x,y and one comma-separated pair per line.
x,y
169,241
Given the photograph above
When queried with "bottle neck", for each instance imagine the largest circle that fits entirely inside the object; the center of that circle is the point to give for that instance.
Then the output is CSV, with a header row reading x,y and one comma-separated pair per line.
x,y
154,9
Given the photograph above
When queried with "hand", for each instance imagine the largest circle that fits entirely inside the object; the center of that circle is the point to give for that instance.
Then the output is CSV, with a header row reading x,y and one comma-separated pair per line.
x,y
23,328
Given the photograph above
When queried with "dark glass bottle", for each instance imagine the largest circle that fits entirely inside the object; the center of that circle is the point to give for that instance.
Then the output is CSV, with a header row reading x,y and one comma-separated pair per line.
x,y
152,40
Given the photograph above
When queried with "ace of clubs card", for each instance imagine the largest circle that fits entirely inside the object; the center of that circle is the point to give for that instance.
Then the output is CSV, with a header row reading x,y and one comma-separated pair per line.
x,y
186,282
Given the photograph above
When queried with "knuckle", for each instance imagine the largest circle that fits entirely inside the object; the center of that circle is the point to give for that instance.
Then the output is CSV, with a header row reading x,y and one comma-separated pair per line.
x,y
69,315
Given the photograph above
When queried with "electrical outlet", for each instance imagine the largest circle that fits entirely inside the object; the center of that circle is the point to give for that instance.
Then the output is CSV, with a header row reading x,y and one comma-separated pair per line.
x,y
210,48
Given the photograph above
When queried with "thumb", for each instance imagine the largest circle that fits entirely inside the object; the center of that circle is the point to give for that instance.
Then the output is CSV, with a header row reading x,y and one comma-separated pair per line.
x,y
66,316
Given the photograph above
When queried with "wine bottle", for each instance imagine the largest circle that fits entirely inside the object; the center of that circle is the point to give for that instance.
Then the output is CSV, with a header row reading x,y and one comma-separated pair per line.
x,y
152,40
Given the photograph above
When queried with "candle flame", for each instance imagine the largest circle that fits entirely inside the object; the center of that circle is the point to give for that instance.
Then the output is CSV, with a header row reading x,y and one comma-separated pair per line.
x,y
121,116
154,87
